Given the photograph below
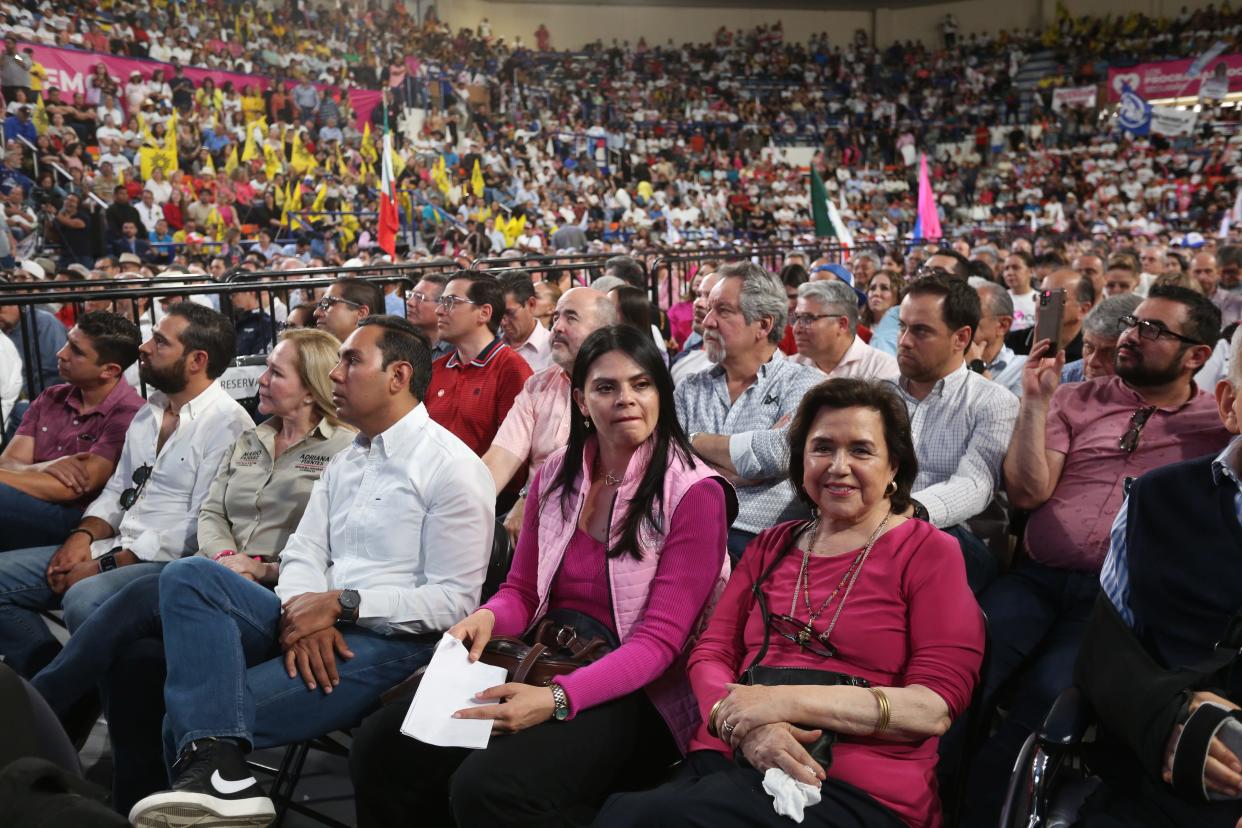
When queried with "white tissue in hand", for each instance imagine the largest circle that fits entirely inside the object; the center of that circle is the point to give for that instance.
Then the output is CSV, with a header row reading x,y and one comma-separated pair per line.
x,y
789,796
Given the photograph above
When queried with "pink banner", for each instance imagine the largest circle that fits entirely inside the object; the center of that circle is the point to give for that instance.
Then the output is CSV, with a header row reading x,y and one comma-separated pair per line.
x,y
67,70
1168,79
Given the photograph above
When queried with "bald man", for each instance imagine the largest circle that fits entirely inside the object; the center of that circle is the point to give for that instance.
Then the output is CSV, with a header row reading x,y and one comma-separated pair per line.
x,y
1079,299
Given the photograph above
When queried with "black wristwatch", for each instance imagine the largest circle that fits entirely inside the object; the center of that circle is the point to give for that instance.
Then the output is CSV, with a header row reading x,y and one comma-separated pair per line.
x,y
977,365
107,562
349,600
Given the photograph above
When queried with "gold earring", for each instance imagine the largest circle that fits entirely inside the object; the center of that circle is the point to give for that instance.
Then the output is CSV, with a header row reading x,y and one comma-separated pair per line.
x,y
890,489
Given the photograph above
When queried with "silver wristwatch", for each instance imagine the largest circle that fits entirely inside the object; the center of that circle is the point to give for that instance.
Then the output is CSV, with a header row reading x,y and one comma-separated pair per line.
x,y
561,711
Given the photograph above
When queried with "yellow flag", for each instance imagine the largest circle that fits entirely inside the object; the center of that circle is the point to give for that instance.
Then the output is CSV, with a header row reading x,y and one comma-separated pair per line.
x,y
300,160
40,117
214,225
341,168
368,148
476,179
321,195
439,176
272,162
250,151
210,167
231,162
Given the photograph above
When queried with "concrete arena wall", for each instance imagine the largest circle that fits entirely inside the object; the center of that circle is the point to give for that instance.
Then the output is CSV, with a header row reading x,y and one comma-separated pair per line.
x,y
573,24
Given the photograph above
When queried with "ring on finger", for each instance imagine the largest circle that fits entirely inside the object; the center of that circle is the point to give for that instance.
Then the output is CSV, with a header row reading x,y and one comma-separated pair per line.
x,y
727,728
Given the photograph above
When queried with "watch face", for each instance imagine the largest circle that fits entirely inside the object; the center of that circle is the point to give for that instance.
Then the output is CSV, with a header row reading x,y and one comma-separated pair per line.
x,y
561,714
350,599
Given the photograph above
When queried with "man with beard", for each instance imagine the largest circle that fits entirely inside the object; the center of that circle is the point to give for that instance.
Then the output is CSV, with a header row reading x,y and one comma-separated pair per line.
x,y
1072,450
693,358
538,422
147,513
737,412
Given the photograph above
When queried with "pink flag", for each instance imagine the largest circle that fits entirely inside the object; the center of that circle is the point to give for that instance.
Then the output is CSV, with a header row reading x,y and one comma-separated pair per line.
x,y
928,226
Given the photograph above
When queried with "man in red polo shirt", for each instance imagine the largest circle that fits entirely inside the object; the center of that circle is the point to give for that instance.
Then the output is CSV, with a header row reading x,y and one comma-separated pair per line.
x,y
473,387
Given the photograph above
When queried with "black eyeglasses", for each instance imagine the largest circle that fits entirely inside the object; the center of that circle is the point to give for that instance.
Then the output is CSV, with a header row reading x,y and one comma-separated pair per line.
x,y
130,496
801,634
1152,330
1129,441
325,304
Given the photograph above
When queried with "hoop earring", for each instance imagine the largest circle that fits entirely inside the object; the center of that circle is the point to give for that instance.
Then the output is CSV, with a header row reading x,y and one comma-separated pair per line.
x,y
890,489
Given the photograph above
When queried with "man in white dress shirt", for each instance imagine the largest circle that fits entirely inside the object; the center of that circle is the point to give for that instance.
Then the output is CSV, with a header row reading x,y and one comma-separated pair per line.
x,y
147,513
391,551
523,333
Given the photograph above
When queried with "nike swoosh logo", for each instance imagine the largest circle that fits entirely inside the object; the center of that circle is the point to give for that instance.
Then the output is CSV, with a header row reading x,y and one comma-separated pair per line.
x,y
224,786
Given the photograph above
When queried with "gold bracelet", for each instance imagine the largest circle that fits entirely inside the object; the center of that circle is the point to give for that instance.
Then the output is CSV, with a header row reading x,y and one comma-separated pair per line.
x,y
881,724
711,717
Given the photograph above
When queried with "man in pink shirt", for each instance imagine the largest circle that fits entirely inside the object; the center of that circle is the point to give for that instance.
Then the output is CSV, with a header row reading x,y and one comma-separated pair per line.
x,y
71,436
1072,450
538,422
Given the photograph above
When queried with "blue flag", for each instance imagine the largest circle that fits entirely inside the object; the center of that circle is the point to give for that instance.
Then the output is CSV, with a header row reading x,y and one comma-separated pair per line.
x,y
1135,113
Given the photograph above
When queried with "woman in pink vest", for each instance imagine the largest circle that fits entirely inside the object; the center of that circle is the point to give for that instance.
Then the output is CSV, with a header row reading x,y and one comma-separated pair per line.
x,y
841,649
627,544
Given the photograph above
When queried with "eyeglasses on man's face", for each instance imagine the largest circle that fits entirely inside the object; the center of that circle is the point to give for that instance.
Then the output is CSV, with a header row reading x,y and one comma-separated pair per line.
x,y
448,302
325,304
1152,330
806,320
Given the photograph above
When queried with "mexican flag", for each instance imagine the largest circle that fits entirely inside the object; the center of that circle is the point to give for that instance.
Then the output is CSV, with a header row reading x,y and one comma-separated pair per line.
x,y
388,223
828,221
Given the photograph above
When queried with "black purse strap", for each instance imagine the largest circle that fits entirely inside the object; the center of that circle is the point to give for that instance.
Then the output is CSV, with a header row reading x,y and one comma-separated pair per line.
x,y
757,589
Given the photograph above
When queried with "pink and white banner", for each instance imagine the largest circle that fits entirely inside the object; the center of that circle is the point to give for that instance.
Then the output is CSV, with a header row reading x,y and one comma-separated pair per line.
x,y
1076,96
1171,78
67,70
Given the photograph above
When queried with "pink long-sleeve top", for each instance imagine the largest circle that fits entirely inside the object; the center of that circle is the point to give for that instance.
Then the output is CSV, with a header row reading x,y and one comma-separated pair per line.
x,y
910,619
682,585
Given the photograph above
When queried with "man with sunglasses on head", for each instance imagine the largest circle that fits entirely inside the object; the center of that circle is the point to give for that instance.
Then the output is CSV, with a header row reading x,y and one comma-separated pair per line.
x,y
1071,452
473,388
347,302
147,513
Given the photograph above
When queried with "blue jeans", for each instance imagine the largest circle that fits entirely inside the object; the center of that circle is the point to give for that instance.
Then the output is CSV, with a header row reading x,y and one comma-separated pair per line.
x,y
1037,616
25,641
129,615
29,521
226,672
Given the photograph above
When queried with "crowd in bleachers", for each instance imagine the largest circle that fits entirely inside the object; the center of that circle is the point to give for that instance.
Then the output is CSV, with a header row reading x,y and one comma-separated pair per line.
x,y
814,524
624,142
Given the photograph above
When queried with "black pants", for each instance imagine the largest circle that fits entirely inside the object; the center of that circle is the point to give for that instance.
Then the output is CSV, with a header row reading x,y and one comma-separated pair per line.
x,y
553,774
713,792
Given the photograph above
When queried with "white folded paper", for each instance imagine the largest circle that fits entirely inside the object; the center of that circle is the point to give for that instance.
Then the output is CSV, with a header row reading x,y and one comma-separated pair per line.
x,y
789,796
449,685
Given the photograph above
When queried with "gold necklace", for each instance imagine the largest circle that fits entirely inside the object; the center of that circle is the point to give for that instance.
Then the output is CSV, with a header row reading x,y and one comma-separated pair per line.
x,y
803,585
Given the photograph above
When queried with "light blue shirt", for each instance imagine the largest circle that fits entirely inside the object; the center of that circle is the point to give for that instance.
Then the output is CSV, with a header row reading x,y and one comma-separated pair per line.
x,y
884,334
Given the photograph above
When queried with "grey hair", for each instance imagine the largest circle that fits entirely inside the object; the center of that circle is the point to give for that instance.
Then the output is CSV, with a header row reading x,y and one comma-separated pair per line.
x,y
604,309
874,259
1230,254
762,295
995,299
1104,318
836,296
1235,360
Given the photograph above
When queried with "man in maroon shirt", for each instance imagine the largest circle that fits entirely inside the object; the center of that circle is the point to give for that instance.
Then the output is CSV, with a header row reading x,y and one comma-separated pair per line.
x,y
68,443
472,388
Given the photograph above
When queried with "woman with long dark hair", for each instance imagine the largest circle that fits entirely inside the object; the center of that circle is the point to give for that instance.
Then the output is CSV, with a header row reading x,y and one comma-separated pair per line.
x,y
626,544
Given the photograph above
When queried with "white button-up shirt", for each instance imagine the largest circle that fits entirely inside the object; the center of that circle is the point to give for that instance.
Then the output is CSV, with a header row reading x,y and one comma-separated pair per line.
x,y
406,519
961,432
537,349
162,525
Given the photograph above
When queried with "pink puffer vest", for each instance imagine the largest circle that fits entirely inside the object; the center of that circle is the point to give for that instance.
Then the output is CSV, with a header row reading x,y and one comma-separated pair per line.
x,y
629,579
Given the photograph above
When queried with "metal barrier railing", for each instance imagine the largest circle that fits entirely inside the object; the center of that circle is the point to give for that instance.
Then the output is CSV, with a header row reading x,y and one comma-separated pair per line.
x,y
129,300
